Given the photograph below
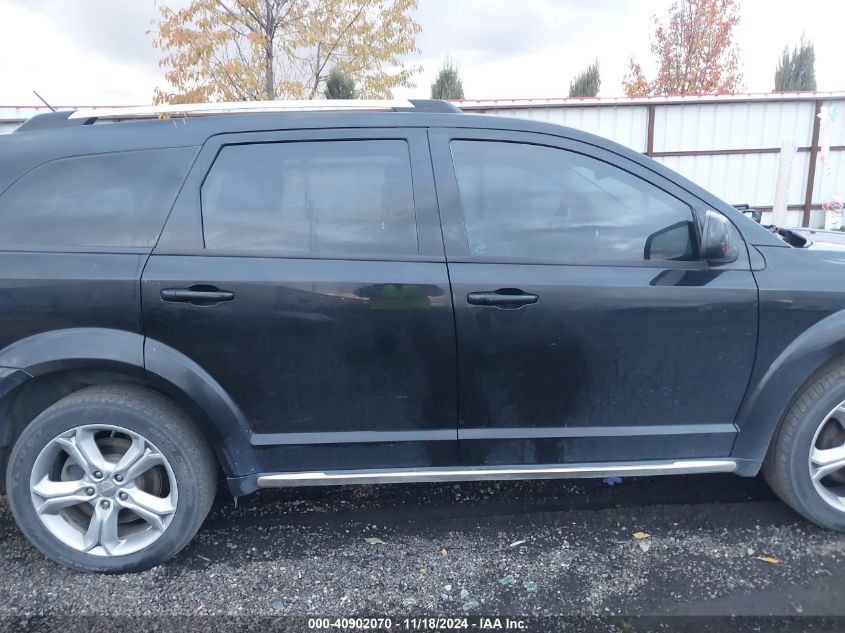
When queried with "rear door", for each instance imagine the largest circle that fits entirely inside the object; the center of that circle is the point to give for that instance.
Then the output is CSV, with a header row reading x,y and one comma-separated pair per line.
x,y
304,271
589,330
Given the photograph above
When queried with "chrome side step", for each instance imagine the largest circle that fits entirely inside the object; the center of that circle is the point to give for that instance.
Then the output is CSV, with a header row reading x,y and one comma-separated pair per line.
x,y
546,471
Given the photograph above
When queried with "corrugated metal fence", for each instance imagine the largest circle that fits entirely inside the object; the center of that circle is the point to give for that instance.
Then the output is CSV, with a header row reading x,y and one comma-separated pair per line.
x,y
728,144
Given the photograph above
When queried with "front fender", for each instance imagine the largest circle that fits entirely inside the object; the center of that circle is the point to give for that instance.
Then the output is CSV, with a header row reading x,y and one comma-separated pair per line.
x,y
770,398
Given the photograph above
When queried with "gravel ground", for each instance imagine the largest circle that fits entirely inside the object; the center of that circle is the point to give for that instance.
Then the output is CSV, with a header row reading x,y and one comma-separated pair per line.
x,y
509,548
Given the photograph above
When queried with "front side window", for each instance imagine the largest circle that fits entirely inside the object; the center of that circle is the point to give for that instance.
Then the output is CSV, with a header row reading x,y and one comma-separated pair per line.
x,y
312,197
541,203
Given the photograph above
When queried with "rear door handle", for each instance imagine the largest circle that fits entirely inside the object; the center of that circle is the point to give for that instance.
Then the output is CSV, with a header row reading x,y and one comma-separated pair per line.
x,y
197,295
507,298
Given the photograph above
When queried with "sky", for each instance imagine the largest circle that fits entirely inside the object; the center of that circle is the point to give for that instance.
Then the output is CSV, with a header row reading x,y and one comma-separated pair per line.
x,y
98,52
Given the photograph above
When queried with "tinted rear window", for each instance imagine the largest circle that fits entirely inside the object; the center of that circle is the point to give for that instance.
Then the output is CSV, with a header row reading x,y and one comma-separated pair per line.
x,y
312,197
104,200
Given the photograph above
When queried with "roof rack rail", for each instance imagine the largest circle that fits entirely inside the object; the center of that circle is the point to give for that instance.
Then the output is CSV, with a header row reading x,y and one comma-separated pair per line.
x,y
435,105
46,121
254,107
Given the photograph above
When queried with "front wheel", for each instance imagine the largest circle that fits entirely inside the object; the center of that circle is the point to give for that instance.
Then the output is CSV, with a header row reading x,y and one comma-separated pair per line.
x,y
806,461
110,479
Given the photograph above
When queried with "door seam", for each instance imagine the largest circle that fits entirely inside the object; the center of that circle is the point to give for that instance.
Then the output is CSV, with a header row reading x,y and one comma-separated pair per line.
x,y
451,301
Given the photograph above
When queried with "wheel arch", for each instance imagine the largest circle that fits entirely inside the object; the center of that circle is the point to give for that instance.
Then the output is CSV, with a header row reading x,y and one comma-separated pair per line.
x,y
37,371
176,375
770,398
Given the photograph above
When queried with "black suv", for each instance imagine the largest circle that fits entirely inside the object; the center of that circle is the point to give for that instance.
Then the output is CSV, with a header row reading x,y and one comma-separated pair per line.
x,y
409,294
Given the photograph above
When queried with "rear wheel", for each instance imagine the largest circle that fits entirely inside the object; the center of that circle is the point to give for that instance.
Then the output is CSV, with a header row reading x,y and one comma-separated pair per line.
x,y
806,462
110,479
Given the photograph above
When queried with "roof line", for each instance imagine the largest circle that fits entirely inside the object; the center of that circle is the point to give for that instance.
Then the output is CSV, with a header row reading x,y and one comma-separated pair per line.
x,y
481,104
61,107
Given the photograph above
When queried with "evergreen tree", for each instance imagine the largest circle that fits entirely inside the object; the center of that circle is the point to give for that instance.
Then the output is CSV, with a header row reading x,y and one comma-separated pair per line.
x,y
448,83
797,70
586,84
339,85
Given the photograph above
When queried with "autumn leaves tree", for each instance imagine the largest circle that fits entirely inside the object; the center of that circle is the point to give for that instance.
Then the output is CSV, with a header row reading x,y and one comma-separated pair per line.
x,y
695,49
242,50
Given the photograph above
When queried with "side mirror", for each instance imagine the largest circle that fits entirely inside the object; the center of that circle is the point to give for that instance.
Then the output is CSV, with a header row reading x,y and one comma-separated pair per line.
x,y
754,214
718,239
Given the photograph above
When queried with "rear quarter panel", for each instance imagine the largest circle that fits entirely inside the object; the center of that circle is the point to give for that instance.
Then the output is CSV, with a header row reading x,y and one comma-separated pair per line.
x,y
47,291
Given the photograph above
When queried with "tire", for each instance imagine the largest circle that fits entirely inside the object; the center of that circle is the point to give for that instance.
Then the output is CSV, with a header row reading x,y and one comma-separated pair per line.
x,y
812,422
156,435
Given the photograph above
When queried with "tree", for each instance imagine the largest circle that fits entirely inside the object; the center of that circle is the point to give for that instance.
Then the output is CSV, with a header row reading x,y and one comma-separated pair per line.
x,y
586,84
797,71
448,83
695,49
243,50
339,85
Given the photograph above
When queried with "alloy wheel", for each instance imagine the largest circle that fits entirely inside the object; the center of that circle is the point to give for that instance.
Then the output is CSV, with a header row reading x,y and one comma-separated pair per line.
x,y
827,459
103,490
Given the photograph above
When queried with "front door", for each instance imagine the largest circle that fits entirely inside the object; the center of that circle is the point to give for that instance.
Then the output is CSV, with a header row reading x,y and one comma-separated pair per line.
x,y
304,271
589,330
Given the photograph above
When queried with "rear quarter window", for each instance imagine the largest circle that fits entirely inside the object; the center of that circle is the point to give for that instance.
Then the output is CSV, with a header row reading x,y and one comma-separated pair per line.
x,y
117,199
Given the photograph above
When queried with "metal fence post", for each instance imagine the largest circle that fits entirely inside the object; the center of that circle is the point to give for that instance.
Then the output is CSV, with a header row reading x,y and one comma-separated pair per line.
x,y
811,171
649,143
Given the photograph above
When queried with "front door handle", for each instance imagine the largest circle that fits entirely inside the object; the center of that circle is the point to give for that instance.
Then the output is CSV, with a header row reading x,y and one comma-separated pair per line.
x,y
197,295
506,298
